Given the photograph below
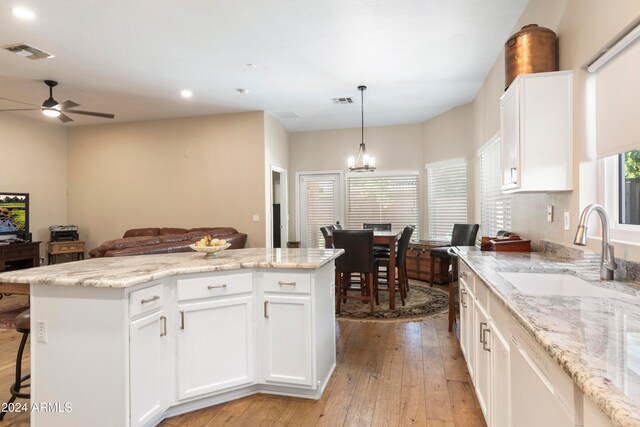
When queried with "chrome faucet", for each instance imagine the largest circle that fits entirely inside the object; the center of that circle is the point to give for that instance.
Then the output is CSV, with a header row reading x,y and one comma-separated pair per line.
x,y
607,259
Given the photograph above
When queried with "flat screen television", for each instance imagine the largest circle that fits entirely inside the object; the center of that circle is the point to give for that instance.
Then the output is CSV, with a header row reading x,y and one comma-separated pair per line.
x,y
14,213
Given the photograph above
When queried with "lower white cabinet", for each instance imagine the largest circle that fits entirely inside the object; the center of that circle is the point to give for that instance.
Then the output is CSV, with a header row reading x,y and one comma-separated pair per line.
x,y
149,367
500,384
467,307
287,340
483,372
215,345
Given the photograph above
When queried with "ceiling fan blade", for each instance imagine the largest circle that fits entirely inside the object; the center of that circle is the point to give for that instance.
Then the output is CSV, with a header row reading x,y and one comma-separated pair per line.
x,y
22,109
19,102
64,119
91,113
67,104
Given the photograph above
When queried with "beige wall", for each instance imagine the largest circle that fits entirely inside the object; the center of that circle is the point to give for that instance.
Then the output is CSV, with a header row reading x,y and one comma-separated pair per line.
x,y
34,161
276,154
396,148
191,172
450,136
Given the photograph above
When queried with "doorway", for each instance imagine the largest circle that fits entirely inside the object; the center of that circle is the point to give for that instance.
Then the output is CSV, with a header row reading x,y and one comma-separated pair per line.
x,y
279,209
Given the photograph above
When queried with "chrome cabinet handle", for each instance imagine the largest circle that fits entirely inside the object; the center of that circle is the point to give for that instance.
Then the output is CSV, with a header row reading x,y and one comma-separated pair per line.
x,y
224,285
463,299
463,274
163,331
482,332
148,300
266,309
286,283
514,176
485,343
182,319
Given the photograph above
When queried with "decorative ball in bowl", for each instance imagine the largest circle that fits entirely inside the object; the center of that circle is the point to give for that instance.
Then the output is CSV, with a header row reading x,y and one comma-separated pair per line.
x,y
210,246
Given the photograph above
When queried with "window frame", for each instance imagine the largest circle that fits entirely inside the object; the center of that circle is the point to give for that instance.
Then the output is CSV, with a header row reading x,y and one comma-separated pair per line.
x,y
609,197
452,163
497,140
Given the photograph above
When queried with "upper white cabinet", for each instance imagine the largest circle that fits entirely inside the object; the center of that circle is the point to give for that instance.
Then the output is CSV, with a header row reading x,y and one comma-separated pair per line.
x,y
536,121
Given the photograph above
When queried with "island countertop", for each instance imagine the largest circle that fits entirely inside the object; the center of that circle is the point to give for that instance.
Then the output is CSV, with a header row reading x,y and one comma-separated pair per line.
x,y
123,272
596,340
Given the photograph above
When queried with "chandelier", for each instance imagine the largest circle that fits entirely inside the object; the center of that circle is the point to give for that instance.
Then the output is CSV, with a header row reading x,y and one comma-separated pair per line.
x,y
363,162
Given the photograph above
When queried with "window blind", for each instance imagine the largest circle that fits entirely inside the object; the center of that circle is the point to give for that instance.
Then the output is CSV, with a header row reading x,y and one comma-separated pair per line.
x,y
383,199
447,201
320,210
617,90
495,207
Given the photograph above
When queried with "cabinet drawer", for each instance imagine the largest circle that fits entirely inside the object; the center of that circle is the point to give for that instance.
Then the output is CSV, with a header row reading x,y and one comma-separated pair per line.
x,y
70,247
482,294
146,300
19,253
465,275
287,282
214,286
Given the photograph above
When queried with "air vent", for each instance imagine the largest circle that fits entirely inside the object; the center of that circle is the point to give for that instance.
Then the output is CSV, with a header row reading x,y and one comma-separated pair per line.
x,y
286,115
27,51
342,100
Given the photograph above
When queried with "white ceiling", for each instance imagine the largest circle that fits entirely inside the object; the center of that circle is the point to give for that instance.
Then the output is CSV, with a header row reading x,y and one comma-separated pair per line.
x,y
418,58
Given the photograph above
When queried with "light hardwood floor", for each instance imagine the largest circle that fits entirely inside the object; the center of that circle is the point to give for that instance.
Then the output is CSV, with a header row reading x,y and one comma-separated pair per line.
x,y
387,374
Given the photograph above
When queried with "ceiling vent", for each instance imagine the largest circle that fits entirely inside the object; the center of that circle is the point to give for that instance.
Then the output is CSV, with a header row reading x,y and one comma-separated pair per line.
x,y
342,100
27,51
286,115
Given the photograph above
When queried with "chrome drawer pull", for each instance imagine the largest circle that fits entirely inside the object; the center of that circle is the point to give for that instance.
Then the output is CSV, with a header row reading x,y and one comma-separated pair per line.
x,y
484,343
463,274
163,331
482,332
286,283
224,285
266,309
148,300
182,319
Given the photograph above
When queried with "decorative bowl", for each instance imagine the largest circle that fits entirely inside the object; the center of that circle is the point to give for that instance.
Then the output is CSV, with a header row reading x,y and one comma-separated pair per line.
x,y
209,250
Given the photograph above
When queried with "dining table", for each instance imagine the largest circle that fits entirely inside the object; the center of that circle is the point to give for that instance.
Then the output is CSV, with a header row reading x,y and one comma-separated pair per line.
x,y
388,238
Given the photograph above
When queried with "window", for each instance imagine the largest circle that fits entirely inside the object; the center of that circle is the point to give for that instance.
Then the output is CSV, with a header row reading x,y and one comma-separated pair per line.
x,y
447,187
383,198
495,207
629,187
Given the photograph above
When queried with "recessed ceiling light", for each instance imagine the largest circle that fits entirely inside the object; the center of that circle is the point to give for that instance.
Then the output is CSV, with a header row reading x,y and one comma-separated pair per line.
x,y
186,93
252,66
23,13
242,91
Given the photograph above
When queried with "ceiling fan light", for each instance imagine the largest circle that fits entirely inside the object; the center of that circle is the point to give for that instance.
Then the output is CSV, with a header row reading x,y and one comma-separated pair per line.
x,y
23,13
51,112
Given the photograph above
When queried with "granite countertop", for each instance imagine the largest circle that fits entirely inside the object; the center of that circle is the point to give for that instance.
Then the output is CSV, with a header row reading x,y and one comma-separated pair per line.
x,y
122,272
596,340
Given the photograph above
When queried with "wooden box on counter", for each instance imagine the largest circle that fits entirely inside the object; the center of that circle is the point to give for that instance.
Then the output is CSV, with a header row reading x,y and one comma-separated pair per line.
x,y
419,261
508,245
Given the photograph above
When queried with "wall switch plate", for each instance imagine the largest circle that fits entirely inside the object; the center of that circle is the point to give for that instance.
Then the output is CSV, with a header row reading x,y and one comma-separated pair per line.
x,y
256,218
42,331
567,221
549,213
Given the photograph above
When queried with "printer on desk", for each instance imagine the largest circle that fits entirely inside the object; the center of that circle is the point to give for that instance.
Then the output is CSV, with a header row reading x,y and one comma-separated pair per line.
x,y
64,233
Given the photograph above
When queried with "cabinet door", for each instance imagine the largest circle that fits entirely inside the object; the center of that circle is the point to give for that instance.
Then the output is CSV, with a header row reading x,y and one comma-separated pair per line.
x,y
466,326
510,138
287,340
482,358
215,346
148,367
500,378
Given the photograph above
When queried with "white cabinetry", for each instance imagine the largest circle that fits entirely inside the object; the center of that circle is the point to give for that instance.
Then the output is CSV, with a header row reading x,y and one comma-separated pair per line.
x,y
215,340
485,348
536,121
149,367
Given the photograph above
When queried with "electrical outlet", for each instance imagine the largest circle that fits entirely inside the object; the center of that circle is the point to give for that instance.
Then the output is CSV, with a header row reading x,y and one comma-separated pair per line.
x,y
256,218
549,213
42,331
567,221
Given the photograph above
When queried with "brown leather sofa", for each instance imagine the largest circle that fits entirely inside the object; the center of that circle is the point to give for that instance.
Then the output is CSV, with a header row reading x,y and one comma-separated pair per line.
x,y
145,241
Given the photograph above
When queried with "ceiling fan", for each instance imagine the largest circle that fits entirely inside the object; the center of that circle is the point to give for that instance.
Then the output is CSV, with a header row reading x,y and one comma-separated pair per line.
x,y
51,108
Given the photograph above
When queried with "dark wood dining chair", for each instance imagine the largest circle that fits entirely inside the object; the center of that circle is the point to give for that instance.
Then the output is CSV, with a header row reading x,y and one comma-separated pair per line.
x,y
379,251
462,235
402,282
357,258
326,232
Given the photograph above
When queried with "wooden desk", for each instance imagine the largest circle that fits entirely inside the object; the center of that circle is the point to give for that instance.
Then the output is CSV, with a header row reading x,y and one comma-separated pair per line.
x,y
16,256
386,238
419,261
57,249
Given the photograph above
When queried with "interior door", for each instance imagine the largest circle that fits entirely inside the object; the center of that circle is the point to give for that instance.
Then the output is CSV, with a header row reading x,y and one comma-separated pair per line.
x,y
320,204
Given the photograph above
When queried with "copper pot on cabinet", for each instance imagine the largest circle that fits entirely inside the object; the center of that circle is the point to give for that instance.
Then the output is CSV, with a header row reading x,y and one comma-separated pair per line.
x,y
533,49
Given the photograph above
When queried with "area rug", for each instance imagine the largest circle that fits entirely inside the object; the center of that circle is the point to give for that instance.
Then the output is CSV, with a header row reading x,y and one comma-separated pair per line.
x,y
422,301
9,310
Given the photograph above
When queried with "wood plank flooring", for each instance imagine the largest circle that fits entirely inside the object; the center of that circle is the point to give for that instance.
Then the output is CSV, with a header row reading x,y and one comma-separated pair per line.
x,y
387,374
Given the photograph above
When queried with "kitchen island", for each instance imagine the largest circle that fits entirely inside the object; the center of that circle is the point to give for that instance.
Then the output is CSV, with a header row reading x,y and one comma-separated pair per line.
x,y
129,341
547,342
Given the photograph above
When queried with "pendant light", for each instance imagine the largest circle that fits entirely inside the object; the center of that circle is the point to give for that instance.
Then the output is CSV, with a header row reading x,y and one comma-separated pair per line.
x,y
363,162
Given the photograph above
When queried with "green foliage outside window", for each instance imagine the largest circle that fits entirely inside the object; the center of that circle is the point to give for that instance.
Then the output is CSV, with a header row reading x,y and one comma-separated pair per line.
x,y
632,164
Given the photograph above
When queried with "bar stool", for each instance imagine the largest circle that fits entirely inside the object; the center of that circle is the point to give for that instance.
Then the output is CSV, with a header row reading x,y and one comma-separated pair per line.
x,y
23,325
